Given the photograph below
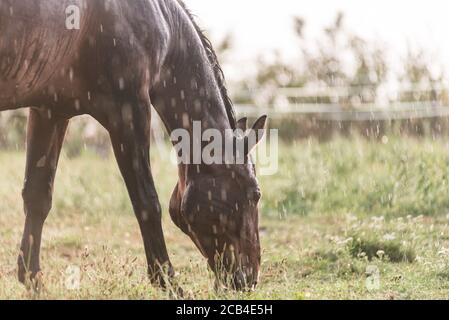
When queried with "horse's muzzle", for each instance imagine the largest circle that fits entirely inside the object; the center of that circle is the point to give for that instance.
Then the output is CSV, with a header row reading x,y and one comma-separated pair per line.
x,y
244,281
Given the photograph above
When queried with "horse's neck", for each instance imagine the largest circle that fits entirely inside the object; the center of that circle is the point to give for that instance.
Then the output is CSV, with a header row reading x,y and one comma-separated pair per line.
x,y
187,89
188,92
186,95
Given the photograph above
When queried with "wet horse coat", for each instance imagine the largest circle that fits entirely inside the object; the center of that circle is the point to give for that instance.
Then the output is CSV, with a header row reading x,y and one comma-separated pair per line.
x,y
125,57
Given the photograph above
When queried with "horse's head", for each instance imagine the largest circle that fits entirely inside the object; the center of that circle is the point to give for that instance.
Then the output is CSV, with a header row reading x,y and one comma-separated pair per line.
x,y
218,209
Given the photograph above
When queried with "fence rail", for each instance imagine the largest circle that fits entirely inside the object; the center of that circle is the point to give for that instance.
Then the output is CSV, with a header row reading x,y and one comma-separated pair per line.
x,y
320,91
332,112
340,112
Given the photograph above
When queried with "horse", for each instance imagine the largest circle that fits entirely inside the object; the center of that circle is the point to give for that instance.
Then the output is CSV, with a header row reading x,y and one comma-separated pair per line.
x,y
122,59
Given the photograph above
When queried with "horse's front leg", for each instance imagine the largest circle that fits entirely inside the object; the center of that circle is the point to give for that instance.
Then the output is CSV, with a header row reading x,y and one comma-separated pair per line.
x,y
130,136
45,136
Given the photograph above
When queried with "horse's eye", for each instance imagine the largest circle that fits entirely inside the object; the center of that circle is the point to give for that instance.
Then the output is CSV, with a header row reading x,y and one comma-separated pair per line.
x,y
257,196
254,195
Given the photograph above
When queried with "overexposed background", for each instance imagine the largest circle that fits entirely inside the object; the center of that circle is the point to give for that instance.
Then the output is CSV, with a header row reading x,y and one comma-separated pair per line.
x,y
261,26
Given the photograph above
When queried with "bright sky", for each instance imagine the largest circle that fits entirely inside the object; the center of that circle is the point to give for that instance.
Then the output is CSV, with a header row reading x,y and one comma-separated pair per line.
x,y
260,26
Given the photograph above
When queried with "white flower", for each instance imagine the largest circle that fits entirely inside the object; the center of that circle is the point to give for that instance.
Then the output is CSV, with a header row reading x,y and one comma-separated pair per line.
x,y
380,254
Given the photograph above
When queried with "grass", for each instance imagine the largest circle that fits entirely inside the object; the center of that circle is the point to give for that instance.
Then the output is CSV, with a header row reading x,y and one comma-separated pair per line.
x,y
332,214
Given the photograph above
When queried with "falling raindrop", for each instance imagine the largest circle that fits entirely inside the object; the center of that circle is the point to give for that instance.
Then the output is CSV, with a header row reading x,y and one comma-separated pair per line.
x,y
71,74
121,82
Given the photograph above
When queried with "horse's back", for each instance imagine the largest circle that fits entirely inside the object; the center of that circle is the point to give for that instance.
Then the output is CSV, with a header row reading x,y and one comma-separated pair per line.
x,y
35,42
38,49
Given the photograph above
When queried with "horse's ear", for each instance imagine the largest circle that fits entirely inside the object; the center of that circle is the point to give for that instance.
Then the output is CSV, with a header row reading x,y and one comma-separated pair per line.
x,y
261,123
256,134
242,124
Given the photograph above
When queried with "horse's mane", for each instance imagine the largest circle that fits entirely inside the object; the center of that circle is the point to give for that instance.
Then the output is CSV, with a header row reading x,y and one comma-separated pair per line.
x,y
218,71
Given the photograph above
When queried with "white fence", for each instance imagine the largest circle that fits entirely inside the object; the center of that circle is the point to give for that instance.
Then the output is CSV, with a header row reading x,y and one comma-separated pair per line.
x,y
333,112
361,112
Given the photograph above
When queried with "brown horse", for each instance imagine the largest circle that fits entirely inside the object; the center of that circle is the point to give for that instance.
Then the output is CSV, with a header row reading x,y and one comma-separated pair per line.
x,y
125,57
